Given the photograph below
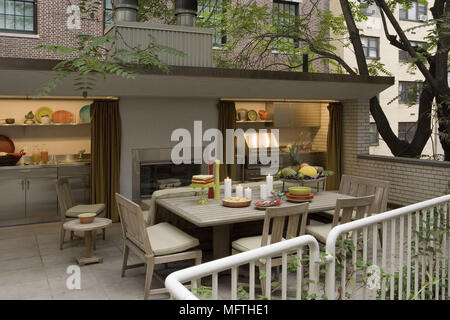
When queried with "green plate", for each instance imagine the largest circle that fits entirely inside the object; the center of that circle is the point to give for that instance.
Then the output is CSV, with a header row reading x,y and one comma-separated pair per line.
x,y
252,115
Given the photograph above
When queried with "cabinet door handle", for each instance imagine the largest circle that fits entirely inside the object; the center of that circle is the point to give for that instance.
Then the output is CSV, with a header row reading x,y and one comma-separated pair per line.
x,y
28,184
23,185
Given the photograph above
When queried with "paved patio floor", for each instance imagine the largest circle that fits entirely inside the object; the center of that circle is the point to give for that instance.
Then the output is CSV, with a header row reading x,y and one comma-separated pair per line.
x,y
33,267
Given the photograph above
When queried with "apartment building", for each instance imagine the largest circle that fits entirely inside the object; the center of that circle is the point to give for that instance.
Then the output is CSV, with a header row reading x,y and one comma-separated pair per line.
x,y
25,24
394,101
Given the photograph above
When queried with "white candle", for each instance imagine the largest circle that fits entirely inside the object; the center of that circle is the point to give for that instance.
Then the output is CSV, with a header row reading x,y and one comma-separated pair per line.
x,y
269,183
227,188
239,191
263,191
248,193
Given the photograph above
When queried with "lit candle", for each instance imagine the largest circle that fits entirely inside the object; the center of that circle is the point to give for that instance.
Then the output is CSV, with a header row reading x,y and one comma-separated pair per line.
x,y
248,193
263,192
269,183
227,188
239,191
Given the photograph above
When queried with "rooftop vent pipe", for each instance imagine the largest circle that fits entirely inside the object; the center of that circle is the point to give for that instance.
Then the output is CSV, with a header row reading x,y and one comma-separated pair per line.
x,y
125,10
186,12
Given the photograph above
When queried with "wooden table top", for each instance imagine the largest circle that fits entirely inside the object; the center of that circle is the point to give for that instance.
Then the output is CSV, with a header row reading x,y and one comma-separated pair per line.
x,y
215,214
98,223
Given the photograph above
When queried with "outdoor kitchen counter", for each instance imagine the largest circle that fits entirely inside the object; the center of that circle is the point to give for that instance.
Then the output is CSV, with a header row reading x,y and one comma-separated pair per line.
x,y
28,192
41,166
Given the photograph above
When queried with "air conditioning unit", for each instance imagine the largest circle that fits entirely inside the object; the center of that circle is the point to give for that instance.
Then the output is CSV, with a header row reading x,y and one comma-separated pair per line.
x,y
423,17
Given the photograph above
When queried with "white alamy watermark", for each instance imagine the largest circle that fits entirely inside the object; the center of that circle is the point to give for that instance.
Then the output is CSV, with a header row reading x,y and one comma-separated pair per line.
x,y
74,19
262,147
73,282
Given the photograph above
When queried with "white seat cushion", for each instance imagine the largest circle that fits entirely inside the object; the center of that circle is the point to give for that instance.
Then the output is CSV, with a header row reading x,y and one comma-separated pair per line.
x,y
167,239
248,243
320,232
85,208
331,213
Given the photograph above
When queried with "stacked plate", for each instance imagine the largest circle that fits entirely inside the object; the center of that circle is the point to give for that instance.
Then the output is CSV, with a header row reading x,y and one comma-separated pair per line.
x,y
293,198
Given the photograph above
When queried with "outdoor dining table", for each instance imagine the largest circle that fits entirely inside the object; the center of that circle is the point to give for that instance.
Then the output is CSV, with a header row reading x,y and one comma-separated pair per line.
x,y
220,218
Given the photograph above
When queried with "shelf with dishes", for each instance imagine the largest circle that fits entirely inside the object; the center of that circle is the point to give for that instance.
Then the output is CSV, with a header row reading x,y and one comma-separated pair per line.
x,y
43,124
44,116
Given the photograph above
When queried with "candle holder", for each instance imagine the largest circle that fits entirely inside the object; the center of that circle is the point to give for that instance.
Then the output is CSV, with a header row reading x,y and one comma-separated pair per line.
x,y
203,200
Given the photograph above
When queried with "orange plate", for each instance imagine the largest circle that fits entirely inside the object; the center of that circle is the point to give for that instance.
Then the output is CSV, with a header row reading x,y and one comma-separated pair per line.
x,y
308,197
62,116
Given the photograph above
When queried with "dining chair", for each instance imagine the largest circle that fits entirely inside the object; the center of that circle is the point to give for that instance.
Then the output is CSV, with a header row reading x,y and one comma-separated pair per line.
x,y
361,186
71,211
158,244
346,210
274,231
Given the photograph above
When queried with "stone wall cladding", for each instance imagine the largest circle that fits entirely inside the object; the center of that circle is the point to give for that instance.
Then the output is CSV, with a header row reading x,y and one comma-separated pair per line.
x,y
410,182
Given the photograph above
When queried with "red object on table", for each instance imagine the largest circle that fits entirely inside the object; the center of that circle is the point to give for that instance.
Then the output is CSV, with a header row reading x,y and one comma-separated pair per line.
x,y
211,171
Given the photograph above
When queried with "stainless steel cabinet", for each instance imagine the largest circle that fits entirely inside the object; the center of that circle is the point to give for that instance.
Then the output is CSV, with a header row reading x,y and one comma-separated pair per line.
x,y
41,199
12,195
28,195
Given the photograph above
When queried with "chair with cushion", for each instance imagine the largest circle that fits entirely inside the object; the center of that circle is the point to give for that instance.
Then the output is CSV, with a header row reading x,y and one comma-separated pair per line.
x,y
158,244
360,186
71,211
296,217
346,211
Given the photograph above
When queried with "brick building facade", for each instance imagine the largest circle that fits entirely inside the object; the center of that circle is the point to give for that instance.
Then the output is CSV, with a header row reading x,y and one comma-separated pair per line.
x,y
50,24
50,21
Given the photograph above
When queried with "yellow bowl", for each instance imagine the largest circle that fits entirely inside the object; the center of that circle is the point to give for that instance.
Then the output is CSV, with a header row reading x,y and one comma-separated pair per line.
x,y
300,191
86,217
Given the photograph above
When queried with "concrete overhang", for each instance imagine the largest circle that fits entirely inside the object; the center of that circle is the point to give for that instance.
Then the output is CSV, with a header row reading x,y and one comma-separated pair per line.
x,y
26,76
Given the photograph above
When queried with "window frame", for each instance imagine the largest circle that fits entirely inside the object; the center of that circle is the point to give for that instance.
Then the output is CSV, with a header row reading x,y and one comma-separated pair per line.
x,y
368,47
374,134
404,135
222,35
364,10
416,13
18,31
104,14
400,92
405,53
296,5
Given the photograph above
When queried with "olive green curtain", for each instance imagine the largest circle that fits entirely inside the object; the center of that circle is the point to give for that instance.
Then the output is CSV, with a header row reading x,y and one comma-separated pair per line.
x,y
334,145
227,120
106,134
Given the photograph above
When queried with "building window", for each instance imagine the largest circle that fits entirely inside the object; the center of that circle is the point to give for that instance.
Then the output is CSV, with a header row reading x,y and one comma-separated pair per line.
x,y
209,12
18,16
409,92
370,10
404,55
417,12
285,14
406,131
371,47
373,134
107,13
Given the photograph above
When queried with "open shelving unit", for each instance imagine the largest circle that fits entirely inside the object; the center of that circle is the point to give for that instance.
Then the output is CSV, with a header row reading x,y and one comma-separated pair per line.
x,y
43,125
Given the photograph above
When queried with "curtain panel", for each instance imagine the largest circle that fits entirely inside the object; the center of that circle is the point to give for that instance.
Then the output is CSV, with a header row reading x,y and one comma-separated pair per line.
x,y
106,135
334,145
227,120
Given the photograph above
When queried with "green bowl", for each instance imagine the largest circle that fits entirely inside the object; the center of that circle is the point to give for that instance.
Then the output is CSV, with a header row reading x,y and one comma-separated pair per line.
x,y
300,191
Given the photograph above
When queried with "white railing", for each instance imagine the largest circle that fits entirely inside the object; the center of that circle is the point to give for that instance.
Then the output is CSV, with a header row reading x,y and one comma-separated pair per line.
x,y
414,254
285,249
